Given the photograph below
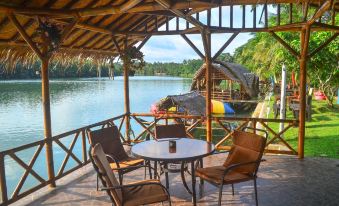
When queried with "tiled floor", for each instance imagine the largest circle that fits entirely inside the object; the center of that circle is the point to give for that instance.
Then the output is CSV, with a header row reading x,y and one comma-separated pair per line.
x,y
282,180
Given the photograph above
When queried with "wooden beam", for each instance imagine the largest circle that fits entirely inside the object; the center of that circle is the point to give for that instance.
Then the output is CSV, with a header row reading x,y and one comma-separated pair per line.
x,y
167,5
116,44
223,47
322,9
323,45
67,30
288,47
189,42
25,36
143,42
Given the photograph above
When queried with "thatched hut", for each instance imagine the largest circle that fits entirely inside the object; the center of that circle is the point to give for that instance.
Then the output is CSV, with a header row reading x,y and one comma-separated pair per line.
x,y
230,81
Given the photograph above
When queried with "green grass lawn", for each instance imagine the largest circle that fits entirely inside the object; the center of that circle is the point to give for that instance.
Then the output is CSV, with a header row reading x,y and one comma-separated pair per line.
x,y
322,132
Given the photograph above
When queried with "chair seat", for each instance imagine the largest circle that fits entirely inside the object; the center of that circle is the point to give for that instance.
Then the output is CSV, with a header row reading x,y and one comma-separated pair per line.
x,y
214,175
130,161
144,194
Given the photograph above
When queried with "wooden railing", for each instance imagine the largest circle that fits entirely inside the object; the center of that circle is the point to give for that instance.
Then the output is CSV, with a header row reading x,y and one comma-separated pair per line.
x,y
77,136
222,123
142,125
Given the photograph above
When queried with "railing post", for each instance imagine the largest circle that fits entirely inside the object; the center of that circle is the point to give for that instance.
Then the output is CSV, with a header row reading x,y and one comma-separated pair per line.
x,y
84,148
47,120
3,186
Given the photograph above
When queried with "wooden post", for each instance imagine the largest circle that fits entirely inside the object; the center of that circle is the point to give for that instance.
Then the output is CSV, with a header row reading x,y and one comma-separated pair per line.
x,y
208,61
304,39
3,185
45,95
47,120
126,94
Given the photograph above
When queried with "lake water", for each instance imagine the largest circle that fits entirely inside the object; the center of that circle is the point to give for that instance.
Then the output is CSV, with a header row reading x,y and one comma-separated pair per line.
x,y
74,103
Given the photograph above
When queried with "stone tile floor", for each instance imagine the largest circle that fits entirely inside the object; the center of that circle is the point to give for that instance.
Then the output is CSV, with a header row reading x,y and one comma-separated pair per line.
x,y
282,180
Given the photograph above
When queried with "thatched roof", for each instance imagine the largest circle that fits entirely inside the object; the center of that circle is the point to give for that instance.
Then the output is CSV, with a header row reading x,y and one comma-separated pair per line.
x,y
99,26
234,72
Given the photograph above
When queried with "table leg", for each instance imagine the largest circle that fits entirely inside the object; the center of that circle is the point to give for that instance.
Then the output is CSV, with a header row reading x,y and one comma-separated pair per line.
x,y
201,185
194,200
156,175
166,175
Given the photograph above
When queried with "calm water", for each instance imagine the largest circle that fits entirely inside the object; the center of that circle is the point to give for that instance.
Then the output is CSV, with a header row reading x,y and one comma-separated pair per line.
x,y
74,103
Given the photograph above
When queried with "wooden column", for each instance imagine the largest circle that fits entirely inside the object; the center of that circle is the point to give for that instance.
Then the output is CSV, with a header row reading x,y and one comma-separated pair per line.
x,y
43,56
126,95
47,119
206,36
304,39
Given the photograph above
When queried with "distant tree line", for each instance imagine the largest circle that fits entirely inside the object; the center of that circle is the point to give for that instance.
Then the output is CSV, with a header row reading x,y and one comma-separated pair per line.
x,y
185,69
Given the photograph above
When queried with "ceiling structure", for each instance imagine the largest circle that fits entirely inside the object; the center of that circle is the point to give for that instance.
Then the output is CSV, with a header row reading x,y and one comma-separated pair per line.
x,y
98,28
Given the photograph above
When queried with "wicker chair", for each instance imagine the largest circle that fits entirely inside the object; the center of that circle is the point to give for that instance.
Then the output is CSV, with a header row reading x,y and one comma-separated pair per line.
x,y
136,193
241,164
109,138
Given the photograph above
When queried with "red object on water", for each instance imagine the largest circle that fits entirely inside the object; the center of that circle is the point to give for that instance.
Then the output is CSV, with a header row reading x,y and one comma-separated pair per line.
x,y
319,95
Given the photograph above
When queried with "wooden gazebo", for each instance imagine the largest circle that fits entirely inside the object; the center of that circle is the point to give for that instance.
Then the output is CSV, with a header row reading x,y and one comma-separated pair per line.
x,y
100,30
229,81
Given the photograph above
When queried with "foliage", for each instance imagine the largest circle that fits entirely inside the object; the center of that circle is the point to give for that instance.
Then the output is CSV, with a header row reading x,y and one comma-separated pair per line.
x,y
185,69
226,57
265,56
49,32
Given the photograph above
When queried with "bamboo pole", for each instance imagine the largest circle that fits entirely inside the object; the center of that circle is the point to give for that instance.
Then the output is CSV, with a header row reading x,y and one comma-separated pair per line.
x,y
47,120
208,61
304,39
126,94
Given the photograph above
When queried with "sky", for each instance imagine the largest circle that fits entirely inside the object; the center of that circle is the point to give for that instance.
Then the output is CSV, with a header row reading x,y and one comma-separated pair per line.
x,y
173,48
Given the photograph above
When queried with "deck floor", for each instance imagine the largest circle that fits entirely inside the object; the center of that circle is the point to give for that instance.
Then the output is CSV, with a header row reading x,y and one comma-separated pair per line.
x,y
282,180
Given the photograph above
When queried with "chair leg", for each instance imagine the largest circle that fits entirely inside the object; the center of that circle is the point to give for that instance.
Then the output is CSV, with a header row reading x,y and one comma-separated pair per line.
x,y
255,191
232,189
120,178
97,182
220,194
149,169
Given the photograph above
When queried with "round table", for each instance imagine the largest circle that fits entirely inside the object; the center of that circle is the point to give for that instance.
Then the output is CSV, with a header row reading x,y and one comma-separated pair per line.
x,y
186,150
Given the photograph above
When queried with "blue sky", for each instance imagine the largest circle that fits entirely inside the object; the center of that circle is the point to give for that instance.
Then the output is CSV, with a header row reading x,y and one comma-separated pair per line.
x,y
175,49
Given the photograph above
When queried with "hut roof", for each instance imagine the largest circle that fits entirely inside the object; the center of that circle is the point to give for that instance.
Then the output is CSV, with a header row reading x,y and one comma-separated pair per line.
x,y
234,72
192,103
98,27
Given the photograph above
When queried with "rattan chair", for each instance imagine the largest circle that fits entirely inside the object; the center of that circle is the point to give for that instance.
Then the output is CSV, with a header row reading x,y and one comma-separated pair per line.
x,y
241,164
136,193
109,138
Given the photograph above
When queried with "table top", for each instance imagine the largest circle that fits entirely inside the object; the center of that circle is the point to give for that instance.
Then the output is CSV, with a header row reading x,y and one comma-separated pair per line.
x,y
186,149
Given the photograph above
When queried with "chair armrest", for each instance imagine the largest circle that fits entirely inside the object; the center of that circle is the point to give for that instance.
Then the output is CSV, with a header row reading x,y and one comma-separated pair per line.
x,y
231,167
108,156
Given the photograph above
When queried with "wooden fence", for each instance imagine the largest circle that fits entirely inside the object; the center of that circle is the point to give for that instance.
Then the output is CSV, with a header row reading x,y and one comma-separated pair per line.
x,y
145,130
